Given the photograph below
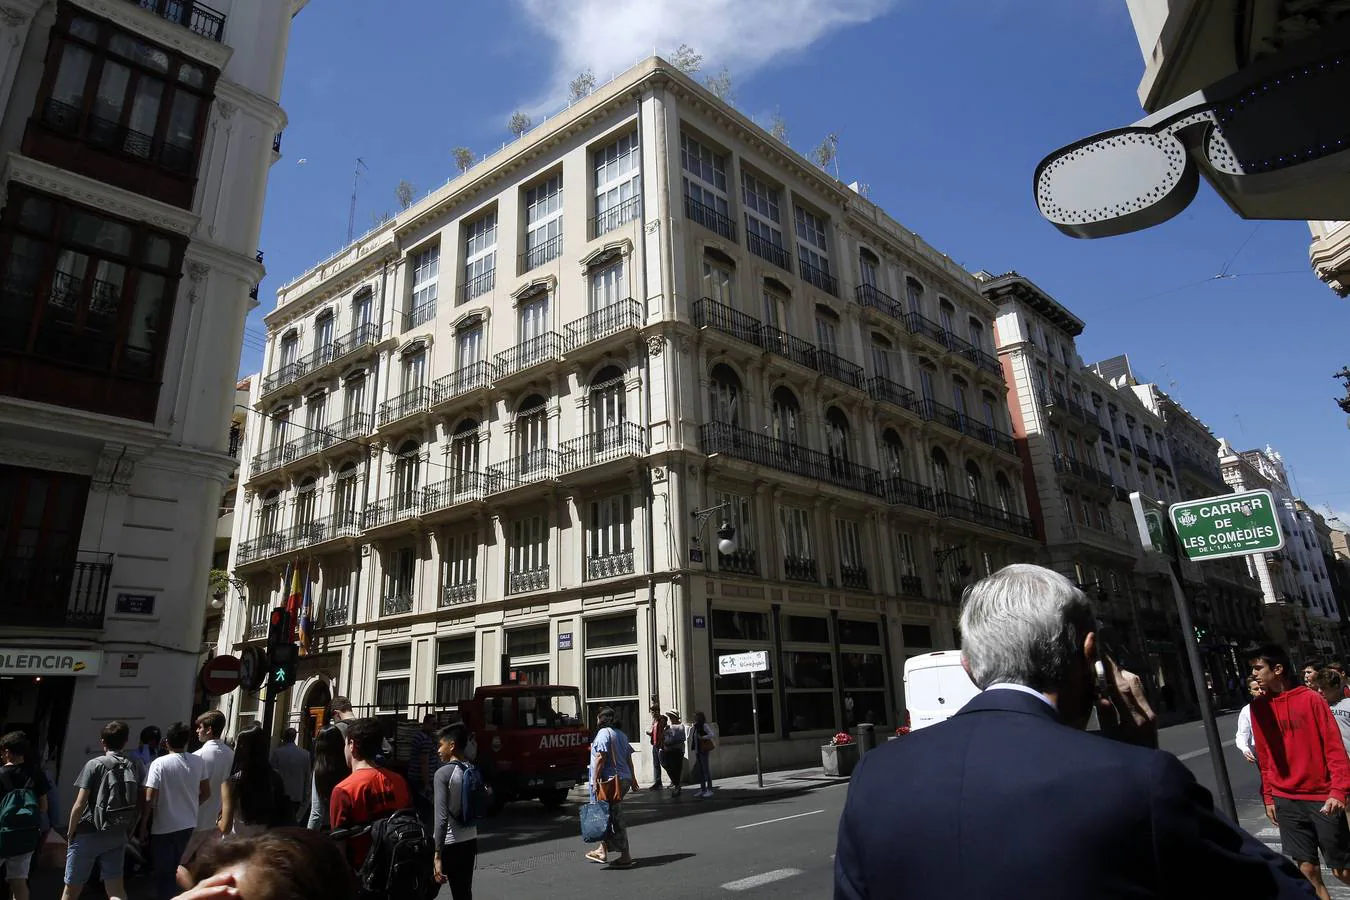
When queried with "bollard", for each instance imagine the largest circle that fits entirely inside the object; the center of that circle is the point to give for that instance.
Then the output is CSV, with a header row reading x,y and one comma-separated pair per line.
x,y
865,734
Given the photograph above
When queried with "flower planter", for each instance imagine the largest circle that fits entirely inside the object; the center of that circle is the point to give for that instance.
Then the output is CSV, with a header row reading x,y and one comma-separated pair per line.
x,y
839,760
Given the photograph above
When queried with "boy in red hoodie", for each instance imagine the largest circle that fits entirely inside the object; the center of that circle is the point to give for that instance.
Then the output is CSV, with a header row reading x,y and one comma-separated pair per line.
x,y
1305,773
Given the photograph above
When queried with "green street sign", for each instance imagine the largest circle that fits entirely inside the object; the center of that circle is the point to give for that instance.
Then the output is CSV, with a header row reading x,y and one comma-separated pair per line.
x,y
1228,525
1150,518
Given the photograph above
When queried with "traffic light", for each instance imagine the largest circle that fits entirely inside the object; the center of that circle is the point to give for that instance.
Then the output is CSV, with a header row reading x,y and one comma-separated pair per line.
x,y
281,651
283,666
278,629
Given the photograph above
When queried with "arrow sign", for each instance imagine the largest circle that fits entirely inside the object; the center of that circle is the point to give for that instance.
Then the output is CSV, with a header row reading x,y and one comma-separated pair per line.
x,y
743,663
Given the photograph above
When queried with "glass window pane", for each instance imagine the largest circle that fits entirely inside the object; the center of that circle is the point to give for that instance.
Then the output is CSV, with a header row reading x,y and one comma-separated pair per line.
x,y
740,626
145,54
393,659
527,641
112,93
144,114
191,75
917,635
84,28
612,631
71,79
806,629
862,670
158,251
811,711
182,130
864,706
531,674
625,717
808,670
614,676
453,687
143,329
455,650
391,693
732,714
854,632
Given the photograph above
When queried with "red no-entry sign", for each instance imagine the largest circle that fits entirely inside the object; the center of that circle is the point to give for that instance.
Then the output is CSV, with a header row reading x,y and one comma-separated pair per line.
x,y
220,675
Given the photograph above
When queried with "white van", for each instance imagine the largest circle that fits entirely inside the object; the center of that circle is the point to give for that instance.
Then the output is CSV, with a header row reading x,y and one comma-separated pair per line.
x,y
936,687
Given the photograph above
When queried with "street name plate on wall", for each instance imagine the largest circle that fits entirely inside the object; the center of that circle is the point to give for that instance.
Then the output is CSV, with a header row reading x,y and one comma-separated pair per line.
x,y
743,663
564,640
135,604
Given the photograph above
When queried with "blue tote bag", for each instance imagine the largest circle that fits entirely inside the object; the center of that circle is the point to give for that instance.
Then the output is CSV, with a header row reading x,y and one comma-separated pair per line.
x,y
594,821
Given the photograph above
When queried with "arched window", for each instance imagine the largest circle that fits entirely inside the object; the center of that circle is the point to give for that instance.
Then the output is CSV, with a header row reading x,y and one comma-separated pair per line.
x,y
775,302
946,314
914,294
867,268
323,336
464,457
892,454
407,476
786,413
1004,493
927,376
305,505
976,333
941,481
989,405
532,434
837,438
607,406
724,395
346,505
974,483
882,352
269,516
959,396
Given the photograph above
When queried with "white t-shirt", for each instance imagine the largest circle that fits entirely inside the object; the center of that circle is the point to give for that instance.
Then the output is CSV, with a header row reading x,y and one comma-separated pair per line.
x,y
177,777
219,759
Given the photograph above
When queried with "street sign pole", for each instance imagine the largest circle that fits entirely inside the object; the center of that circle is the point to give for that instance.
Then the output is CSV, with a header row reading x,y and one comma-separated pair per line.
x,y
754,716
1225,789
751,663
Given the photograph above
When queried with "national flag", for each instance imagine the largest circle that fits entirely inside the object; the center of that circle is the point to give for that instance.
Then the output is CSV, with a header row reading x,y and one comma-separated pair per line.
x,y
306,614
293,599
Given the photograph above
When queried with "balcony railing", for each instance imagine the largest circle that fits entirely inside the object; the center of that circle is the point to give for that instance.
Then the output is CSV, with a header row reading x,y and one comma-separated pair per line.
x,y
527,468
799,568
256,631
883,390
355,425
462,487
419,315
310,442
899,490
276,142
958,344
405,504
335,614
236,439
621,441
272,458
547,347
738,562
944,415
1142,452
1124,443
472,377
873,297
534,257
365,335
1000,440
261,547
410,402
615,216
527,580
918,324
623,315
113,136
766,249
720,317
719,437
818,277
477,286
985,361
709,218
345,523
911,585
785,345
397,604
839,369
951,505
283,376
457,594
45,592
611,566
1105,435
1079,469
853,577
197,17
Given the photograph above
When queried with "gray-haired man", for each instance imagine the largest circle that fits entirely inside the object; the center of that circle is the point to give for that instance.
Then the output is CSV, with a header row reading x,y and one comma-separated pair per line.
x,y
1012,795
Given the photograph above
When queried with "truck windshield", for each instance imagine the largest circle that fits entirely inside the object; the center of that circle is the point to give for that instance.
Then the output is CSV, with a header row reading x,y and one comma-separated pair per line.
x,y
548,709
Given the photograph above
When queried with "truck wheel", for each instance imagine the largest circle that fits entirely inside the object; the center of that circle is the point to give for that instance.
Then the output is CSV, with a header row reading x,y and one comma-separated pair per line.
x,y
554,798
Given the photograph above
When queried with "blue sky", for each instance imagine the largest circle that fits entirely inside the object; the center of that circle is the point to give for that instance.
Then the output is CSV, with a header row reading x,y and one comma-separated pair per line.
x,y
943,108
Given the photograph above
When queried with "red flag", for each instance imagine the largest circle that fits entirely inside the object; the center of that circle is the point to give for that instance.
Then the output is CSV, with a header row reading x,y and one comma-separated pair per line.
x,y
293,600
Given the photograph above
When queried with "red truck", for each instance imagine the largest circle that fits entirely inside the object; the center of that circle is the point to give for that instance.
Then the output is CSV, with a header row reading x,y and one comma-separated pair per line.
x,y
533,740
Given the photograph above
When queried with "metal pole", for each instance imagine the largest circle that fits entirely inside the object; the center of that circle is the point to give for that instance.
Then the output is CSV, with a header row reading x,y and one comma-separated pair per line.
x,y
754,715
269,698
1224,788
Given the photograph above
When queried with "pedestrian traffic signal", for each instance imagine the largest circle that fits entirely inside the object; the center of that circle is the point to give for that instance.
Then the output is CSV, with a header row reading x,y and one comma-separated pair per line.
x,y
278,629
282,664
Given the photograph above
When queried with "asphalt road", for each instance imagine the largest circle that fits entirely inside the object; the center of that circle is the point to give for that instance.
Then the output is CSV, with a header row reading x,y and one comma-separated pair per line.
x,y
740,843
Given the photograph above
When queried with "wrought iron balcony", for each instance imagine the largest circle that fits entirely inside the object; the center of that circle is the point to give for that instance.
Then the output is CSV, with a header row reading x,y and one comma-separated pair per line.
x,y
397,604
457,594
527,580
624,315
344,523
335,614
114,137
818,277
766,249
958,344
615,216
1124,443
785,345
272,458
1142,452
719,437
461,487
195,16
883,390
419,315
1068,466
276,142
236,439
339,348
536,256
873,297
410,402
256,631
985,361
547,347
911,585
467,379
403,505
283,376
738,562
839,369
944,415
709,218
924,327
310,442
261,547
621,441
854,577
477,286
611,566
1105,435
354,426
798,568
953,506
527,468
1000,440
709,313
51,592
897,490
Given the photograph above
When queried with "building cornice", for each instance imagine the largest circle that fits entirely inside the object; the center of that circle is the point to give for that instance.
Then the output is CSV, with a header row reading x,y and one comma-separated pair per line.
x,y
79,424
259,106
242,266
161,31
192,461
1024,290
20,169
327,287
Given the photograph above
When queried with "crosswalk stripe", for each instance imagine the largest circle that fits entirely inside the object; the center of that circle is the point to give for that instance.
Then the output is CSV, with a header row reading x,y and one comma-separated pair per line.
x,y
754,881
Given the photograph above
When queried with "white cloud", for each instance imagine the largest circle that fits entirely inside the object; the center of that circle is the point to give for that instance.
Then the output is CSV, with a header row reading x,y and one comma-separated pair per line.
x,y
608,36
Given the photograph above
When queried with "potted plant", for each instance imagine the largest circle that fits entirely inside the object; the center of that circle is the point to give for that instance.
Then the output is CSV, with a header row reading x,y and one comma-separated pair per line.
x,y
899,733
839,756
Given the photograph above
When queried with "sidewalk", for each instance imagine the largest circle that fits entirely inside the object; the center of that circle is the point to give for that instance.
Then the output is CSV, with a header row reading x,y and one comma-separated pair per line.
x,y
1259,826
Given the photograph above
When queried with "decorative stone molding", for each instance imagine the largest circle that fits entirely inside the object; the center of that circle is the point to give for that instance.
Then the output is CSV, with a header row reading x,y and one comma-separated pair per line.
x,y
226,109
546,284
161,31
621,249
115,468
655,345
34,456
59,182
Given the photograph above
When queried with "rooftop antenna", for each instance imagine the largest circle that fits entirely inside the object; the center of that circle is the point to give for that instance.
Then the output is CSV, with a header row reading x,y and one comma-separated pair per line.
x,y
351,215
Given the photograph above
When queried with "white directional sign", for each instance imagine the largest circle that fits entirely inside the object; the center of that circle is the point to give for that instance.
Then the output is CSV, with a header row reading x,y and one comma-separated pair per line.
x,y
743,663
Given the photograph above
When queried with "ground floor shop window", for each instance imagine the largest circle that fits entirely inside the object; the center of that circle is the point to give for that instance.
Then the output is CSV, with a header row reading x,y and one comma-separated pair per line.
x,y
862,672
612,671
455,659
528,649
739,631
393,677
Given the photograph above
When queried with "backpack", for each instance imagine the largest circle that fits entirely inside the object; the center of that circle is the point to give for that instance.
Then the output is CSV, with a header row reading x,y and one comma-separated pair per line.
x,y
20,827
474,799
115,805
401,860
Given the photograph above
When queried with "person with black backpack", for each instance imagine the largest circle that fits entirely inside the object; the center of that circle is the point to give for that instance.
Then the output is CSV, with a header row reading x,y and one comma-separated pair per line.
x,y
107,807
461,802
23,801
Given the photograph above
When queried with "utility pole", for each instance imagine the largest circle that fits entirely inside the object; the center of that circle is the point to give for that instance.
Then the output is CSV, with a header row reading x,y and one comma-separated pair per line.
x,y
351,215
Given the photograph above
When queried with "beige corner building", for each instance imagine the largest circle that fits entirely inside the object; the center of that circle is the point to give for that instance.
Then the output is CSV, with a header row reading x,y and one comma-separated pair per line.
x,y
507,433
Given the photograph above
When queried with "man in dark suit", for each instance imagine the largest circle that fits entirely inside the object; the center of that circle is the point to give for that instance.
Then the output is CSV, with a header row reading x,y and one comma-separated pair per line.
x,y
1012,798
